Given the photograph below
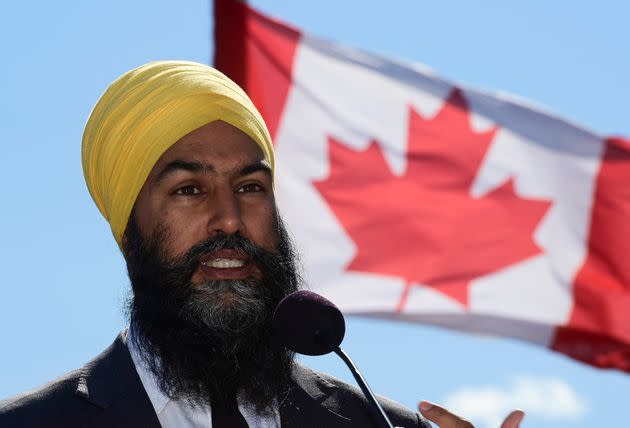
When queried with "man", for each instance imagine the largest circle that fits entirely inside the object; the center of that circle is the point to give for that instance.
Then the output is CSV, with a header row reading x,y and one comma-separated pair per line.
x,y
181,165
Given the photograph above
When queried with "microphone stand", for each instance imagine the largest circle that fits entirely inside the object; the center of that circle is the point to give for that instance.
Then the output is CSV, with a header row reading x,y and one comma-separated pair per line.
x,y
379,414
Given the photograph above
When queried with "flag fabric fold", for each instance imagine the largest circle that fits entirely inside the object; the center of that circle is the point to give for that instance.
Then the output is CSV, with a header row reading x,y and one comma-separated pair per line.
x,y
414,198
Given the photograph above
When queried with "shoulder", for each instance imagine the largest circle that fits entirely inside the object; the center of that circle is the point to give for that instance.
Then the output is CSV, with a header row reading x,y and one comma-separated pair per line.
x,y
48,405
349,400
66,401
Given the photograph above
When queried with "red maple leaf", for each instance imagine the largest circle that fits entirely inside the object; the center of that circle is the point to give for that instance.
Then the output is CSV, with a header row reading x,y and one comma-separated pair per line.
x,y
424,225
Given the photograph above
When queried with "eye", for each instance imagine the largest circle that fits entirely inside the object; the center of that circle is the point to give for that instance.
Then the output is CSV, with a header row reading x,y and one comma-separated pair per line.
x,y
250,188
189,190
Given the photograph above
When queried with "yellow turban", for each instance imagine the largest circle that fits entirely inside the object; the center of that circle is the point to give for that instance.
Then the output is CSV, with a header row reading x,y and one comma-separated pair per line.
x,y
146,111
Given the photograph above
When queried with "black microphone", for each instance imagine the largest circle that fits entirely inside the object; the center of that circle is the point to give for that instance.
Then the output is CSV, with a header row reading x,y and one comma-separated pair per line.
x,y
309,324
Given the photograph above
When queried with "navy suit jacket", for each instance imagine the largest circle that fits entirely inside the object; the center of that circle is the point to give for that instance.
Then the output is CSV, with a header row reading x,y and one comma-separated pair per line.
x,y
107,392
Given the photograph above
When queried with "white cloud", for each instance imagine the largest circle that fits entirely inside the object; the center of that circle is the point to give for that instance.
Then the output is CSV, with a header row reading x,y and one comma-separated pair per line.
x,y
487,405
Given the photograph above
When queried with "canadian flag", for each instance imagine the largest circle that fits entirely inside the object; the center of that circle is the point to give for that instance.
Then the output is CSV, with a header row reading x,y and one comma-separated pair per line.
x,y
412,198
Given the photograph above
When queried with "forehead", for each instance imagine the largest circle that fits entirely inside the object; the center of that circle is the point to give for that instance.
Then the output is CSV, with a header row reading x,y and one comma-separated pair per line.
x,y
217,143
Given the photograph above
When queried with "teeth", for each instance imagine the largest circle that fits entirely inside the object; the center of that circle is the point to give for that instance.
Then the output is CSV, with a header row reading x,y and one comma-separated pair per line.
x,y
224,263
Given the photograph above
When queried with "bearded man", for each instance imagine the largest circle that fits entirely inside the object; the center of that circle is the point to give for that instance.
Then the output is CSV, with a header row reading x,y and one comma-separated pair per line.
x,y
180,163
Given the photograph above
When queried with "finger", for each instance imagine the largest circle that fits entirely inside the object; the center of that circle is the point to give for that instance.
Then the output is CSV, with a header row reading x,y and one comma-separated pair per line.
x,y
442,417
514,419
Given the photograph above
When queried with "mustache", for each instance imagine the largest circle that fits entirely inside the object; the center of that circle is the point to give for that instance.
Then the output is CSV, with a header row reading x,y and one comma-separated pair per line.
x,y
187,264
222,241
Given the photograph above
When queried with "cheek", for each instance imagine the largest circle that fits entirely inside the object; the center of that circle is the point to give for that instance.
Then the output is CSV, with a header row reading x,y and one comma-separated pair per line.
x,y
262,228
182,233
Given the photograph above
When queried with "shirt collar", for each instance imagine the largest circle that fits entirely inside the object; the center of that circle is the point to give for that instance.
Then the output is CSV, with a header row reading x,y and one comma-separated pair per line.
x,y
159,400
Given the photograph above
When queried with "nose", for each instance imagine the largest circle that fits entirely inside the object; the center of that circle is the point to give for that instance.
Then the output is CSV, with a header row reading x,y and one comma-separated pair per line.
x,y
225,214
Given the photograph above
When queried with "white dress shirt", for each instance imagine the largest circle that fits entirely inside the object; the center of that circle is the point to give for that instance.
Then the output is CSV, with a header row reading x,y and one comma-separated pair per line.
x,y
180,414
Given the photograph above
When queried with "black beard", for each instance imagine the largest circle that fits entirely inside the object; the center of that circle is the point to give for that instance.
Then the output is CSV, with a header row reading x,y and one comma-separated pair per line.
x,y
203,345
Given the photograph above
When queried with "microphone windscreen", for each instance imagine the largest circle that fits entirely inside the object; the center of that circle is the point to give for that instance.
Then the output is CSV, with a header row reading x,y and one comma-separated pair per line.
x,y
308,324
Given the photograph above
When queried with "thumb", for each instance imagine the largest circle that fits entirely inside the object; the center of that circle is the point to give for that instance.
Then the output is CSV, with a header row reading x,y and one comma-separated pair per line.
x,y
442,417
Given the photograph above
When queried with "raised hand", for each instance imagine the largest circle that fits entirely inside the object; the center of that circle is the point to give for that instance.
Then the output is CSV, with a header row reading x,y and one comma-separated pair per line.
x,y
445,419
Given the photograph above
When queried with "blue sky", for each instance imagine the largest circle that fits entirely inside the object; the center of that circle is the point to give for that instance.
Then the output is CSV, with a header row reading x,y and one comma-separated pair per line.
x,y
62,276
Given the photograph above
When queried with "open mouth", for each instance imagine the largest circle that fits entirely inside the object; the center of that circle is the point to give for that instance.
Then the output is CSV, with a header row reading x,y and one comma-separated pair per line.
x,y
226,264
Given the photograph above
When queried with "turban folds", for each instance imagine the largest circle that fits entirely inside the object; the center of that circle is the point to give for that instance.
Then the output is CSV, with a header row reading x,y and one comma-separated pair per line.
x,y
146,111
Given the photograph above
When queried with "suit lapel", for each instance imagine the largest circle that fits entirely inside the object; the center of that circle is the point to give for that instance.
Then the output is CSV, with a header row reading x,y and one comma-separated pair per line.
x,y
111,382
309,402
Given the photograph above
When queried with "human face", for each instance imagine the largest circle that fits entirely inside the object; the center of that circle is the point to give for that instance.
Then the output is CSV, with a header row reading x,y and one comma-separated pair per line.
x,y
214,180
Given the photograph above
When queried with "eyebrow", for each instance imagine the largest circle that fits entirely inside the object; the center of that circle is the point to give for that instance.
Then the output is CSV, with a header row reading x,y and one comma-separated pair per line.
x,y
262,165
181,165
205,168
